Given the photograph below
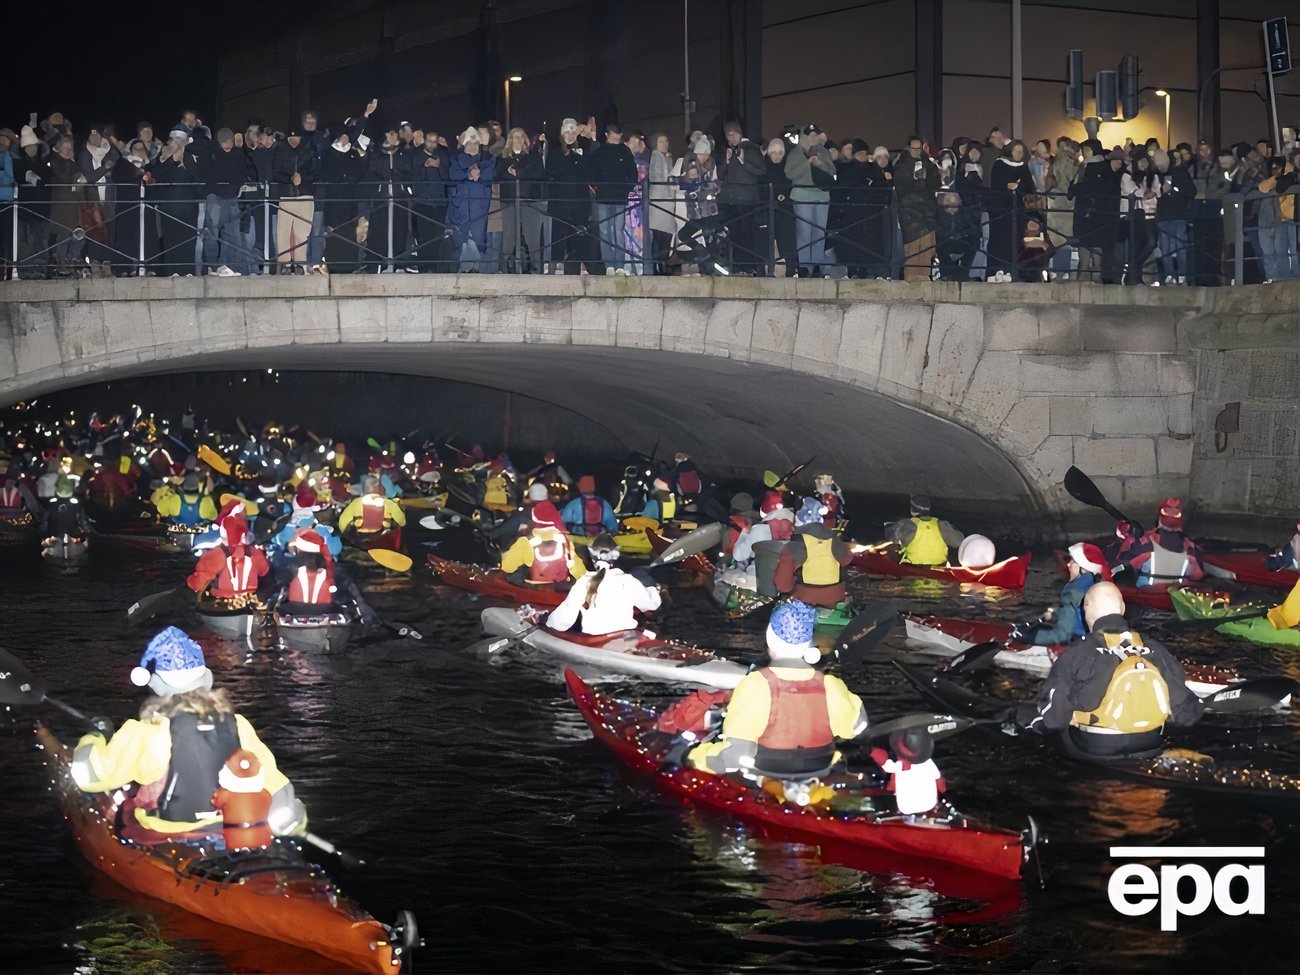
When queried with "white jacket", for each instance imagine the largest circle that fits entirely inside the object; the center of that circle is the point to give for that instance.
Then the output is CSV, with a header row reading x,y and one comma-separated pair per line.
x,y
613,607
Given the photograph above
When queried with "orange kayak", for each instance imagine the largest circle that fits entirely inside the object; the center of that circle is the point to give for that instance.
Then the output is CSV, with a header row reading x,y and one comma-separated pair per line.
x,y
490,582
273,893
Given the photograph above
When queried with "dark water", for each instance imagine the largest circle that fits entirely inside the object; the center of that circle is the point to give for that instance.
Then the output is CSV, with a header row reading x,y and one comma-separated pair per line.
x,y
475,792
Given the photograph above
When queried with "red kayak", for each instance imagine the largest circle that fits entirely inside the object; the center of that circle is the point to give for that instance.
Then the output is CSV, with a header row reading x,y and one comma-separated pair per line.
x,y
1249,568
1007,574
628,730
692,563
491,582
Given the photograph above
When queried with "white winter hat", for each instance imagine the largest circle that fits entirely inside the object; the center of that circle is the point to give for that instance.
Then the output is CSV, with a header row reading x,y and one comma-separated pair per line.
x,y
469,135
569,125
702,146
27,137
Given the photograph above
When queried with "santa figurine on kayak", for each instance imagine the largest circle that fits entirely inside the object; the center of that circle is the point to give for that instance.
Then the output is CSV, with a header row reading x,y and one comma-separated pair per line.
x,y
244,802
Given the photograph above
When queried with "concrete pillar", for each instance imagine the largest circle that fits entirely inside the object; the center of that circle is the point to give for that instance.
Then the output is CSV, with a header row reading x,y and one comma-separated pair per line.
x,y
741,64
1207,71
929,70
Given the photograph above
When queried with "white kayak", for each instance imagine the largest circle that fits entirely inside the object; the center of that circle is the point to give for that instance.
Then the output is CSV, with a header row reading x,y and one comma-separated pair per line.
x,y
948,637
636,652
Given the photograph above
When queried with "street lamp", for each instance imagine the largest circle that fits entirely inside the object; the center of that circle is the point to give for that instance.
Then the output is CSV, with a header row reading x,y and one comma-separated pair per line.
x,y
1161,93
516,79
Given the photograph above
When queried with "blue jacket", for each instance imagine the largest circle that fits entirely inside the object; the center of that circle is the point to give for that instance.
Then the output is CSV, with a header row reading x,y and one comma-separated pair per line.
x,y
470,200
429,183
1069,624
285,535
6,176
574,517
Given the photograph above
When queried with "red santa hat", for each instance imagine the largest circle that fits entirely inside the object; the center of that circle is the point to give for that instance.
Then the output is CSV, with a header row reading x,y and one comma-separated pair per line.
x,y
771,501
242,772
304,500
308,540
232,522
1171,513
545,513
1089,558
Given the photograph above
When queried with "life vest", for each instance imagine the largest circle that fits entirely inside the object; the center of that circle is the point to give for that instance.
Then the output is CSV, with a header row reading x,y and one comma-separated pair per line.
x,y
200,746
798,737
310,587
1137,697
593,514
373,513
832,503
667,509
237,575
819,565
495,492
1164,566
688,483
782,530
65,517
927,546
11,497
550,557
189,509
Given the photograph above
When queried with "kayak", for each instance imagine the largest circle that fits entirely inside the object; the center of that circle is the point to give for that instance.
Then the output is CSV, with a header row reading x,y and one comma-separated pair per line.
x,y
1202,606
274,893
230,624
699,562
1249,568
389,538
66,548
628,730
1007,574
636,652
1172,768
629,543
1152,597
490,582
184,536
738,601
17,528
949,637
323,633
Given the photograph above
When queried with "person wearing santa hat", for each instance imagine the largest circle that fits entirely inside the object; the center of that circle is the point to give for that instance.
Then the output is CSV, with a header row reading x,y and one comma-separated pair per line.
x,y
542,554
170,758
783,720
233,568
607,599
830,495
244,803
811,568
518,521
1165,554
302,515
372,514
1063,623
589,514
311,588
923,539
776,524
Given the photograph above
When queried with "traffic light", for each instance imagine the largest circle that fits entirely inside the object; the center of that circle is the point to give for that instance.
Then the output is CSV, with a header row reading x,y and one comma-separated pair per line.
x,y
1104,87
1129,86
1074,86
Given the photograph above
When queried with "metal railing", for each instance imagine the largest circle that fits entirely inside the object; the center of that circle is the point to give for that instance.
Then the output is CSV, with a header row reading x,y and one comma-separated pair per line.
x,y
965,234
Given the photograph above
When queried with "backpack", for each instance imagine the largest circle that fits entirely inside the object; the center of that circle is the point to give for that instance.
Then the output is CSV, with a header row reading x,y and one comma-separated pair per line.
x,y
593,514
688,483
1137,697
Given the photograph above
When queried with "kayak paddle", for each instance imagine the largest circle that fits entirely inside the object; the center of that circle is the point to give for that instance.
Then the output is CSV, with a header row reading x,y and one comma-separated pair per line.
x,y
18,685
939,726
345,858
1080,487
770,480
974,658
251,508
147,608
214,460
393,561
864,632
1246,696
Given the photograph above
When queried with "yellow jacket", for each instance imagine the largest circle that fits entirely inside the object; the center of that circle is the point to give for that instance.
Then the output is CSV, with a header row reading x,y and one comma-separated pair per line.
x,y
352,513
169,506
141,752
520,556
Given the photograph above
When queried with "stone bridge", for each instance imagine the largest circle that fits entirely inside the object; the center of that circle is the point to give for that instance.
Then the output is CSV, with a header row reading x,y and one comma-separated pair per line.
x,y
978,392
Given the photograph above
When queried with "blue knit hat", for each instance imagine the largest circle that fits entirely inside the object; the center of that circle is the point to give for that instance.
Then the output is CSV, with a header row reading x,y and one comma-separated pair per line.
x,y
810,512
793,622
172,664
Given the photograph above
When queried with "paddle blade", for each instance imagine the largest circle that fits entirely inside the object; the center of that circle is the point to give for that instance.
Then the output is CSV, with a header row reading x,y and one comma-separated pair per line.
x,y
978,657
939,726
250,507
865,631
214,460
432,523
692,543
18,685
1080,487
1251,695
150,606
394,561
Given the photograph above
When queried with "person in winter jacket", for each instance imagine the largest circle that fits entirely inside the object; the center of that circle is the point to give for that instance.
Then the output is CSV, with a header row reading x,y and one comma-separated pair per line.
x,y
233,568
339,175
916,180
1096,192
1173,205
606,599
542,553
430,170
521,175
663,223
613,174
959,229
470,195
176,193
1063,623
1010,183
743,172
776,187
224,174
293,175
589,514
1139,197
387,181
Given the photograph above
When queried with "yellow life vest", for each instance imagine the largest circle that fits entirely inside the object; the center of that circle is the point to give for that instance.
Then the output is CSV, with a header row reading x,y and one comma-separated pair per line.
x,y
1137,697
667,509
494,491
820,567
927,546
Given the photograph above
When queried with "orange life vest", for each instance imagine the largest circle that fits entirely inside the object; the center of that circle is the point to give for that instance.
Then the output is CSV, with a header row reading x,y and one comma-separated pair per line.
x,y
11,497
550,559
311,587
373,514
798,716
237,574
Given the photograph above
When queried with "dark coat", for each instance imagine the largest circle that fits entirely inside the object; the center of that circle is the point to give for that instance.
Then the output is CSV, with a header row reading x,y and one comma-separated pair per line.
x,y
429,183
613,172
743,175
470,200
568,176
337,180
225,172
915,182
286,160
528,179
1096,195
176,189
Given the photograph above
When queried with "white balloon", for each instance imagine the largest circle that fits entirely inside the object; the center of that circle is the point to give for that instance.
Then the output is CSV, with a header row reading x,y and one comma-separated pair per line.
x,y
976,552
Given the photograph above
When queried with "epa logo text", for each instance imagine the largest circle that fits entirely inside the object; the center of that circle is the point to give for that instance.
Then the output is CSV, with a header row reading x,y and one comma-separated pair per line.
x,y
1187,889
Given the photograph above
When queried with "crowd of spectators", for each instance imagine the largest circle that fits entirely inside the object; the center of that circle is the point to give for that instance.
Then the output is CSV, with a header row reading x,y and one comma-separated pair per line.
x,y
359,197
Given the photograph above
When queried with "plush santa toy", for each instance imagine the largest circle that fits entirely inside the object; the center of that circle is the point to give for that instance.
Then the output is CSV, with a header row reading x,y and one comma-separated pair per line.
x,y
244,802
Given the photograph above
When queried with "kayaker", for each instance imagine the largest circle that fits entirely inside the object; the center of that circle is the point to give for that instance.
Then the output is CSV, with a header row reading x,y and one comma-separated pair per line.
x,y
923,539
662,504
542,556
914,779
189,506
740,518
498,488
686,481
302,516
311,590
634,490
1119,551
1288,556
232,568
1063,623
1113,690
783,720
811,568
1165,554
373,513
16,498
832,498
607,598
551,473
64,515
776,524
589,514
518,522
170,758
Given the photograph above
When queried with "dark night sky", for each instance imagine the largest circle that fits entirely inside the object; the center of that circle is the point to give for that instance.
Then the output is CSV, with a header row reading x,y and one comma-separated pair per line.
x,y
122,62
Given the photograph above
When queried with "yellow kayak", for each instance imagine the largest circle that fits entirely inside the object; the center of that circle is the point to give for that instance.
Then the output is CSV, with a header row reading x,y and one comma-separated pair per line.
x,y
630,543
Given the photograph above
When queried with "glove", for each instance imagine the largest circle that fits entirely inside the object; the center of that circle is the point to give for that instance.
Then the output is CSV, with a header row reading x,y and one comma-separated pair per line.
x,y
644,577
102,726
